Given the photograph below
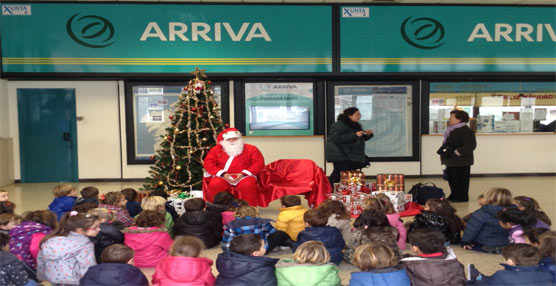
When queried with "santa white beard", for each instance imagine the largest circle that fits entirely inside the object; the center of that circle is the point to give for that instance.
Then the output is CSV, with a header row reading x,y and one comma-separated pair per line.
x,y
232,148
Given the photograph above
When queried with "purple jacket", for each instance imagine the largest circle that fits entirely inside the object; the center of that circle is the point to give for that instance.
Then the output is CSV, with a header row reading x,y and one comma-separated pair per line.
x,y
20,240
516,233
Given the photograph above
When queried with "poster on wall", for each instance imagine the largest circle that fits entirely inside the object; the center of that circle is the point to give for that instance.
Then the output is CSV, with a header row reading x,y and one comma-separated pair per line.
x,y
279,108
387,110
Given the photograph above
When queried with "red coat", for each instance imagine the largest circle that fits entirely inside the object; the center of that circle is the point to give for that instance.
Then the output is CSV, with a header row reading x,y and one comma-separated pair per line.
x,y
249,162
180,270
151,245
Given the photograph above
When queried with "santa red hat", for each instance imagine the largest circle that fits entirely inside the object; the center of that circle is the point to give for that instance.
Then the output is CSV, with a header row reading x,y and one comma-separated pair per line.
x,y
228,133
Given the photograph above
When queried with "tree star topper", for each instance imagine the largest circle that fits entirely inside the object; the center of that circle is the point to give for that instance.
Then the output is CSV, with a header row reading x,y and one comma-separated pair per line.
x,y
199,73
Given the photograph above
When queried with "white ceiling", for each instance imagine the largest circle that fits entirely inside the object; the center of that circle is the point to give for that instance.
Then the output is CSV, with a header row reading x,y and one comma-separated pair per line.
x,y
475,2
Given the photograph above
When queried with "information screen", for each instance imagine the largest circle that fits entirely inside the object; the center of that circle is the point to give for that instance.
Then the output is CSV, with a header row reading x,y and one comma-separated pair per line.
x,y
279,118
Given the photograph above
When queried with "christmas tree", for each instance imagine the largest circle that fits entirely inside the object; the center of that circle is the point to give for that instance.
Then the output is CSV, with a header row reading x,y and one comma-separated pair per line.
x,y
193,130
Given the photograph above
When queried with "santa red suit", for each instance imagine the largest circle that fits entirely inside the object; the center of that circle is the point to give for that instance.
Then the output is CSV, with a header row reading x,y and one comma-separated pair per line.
x,y
231,163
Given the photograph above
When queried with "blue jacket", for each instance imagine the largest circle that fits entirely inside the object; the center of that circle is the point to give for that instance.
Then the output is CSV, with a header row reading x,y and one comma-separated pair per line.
x,y
483,228
547,264
114,274
517,275
330,236
380,277
61,205
243,270
133,208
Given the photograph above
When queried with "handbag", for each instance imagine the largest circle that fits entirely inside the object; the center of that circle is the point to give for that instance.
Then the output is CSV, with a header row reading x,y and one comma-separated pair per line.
x,y
423,191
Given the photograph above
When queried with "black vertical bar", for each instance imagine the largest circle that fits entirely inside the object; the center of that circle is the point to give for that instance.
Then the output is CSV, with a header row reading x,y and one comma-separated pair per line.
x,y
239,106
336,68
318,106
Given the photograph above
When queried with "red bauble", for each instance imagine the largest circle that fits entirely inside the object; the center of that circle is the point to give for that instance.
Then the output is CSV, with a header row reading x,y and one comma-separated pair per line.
x,y
193,109
152,157
171,116
227,125
209,82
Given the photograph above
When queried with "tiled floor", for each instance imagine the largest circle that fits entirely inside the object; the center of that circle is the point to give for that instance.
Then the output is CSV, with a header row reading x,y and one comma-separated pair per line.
x,y
38,196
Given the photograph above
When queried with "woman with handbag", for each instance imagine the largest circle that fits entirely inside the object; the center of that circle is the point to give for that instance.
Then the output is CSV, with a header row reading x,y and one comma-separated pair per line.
x,y
345,146
456,155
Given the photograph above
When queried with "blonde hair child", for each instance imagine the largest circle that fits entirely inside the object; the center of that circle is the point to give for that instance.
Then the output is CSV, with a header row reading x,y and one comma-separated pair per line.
x,y
377,263
156,203
64,199
310,266
184,254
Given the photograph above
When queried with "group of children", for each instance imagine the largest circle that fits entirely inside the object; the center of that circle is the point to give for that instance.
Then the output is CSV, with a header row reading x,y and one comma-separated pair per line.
x,y
102,239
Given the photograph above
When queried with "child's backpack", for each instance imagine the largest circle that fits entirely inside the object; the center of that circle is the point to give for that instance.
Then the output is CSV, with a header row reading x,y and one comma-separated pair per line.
x,y
423,191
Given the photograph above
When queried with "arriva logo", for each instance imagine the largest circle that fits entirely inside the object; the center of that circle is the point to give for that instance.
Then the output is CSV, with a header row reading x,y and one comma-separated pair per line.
x,y
90,31
423,33
265,87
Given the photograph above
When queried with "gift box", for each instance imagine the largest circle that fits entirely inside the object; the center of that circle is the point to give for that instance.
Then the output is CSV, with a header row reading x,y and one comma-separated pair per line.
x,y
352,201
352,178
398,199
177,198
390,182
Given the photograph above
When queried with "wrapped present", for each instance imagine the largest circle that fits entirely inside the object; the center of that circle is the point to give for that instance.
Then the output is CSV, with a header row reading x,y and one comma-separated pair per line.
x,y
353,201
352,178
177,198
398,199
390,182
348,189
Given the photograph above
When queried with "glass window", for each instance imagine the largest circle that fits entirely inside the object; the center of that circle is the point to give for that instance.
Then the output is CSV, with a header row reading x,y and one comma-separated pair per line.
x,y
387,110
279,108
148,112
496,107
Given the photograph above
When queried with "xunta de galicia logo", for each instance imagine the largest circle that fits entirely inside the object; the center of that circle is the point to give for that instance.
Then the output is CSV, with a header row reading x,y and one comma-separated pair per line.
x,y
90,31
423,33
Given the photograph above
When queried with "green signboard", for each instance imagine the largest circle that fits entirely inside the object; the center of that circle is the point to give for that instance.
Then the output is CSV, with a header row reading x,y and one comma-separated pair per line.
x,y
447,39
150,38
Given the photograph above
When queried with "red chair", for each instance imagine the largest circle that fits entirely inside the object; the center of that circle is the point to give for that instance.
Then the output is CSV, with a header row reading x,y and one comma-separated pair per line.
x,y
293,177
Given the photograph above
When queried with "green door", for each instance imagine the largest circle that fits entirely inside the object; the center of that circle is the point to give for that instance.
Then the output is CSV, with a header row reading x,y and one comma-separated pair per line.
x,y
47,135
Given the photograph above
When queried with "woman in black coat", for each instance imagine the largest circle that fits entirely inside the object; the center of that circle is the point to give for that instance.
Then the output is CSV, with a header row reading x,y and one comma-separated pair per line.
x,y
456,154
345,146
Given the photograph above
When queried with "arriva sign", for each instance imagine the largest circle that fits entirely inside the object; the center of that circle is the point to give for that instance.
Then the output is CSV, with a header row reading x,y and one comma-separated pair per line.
x,y
206,32
509,33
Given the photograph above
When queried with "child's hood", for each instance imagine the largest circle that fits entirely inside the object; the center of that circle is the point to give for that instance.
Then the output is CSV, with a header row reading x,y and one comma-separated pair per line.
x,y
305,274
491,209
173,267
60,247
450,255
231,264
114,274
196,217
142,238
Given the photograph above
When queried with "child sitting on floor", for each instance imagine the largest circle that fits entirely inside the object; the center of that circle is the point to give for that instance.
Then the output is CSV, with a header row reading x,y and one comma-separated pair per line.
x,y
184,254
89,195
483,232
316,229
382,203
440,215
64,199
521,268
110,231
8,221
547,248
378,264
199,223
290,218
245,264
67,253
338,216
115,201
528,204
13,270
248,221
310,267
116,269
4,195
518,222
434,264
148,238
157,203
132,206
223,207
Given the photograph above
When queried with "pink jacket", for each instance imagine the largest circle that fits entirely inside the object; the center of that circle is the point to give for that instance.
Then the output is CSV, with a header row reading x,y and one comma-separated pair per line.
x,y
395,221
150,244
227,217
185,271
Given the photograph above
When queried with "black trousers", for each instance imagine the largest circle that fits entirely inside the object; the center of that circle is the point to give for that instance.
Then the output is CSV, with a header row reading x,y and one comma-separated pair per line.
x,y
458,178
275,239
343,166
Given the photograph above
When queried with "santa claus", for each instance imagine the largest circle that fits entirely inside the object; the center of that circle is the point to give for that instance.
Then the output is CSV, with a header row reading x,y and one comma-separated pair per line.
x,y
232,163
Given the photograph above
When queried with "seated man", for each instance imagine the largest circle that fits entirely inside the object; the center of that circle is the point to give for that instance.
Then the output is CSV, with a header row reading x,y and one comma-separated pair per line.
x,y
233,163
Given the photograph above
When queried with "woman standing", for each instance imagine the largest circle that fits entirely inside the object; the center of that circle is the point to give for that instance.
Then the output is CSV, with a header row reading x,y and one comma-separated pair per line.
x,y
456,154
345,146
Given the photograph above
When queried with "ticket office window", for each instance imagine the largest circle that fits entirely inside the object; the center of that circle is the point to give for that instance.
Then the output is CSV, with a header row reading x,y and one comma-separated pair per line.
x,y
495,107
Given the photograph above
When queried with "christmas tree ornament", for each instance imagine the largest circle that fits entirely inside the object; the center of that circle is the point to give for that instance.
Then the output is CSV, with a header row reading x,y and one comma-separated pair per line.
x,y
171,117
178,167
160,183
